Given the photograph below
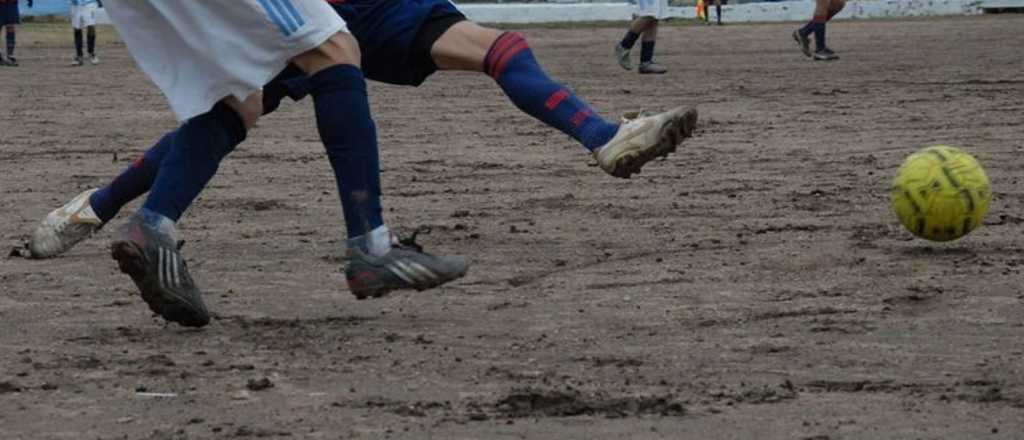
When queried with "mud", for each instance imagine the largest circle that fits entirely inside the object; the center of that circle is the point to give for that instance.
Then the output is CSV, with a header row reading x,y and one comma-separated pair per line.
x,y
753,285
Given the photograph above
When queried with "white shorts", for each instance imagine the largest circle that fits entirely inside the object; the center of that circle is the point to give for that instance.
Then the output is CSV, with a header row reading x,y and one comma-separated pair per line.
x,y
83,16
652,8
201,51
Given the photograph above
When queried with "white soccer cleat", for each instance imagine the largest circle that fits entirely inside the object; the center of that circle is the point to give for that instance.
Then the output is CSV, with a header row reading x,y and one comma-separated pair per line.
x,y
65,227
622,56
94,60
645,138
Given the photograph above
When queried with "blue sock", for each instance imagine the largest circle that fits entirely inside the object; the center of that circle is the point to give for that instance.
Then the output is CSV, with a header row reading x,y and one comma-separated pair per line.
x,y
11,42
192,160
646,51
629,40
511,63
819,36
350,137
133,182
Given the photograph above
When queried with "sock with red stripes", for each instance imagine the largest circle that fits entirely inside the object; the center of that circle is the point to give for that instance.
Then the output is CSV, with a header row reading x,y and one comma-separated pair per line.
x,y
133,182
511,63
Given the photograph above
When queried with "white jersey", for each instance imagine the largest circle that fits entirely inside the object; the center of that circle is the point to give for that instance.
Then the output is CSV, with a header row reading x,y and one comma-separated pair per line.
x,y
201,51
652,8
83,13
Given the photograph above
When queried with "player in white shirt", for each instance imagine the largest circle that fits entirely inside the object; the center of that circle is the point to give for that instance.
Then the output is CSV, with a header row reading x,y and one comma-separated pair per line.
x,y
83,16
645,27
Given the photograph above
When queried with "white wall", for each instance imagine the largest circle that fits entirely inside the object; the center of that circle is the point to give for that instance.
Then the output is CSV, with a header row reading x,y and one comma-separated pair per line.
x,y
775,11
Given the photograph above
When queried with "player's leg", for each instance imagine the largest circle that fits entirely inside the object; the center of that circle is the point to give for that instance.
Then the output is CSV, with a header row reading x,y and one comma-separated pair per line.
x,y
647,42
90,25
718,11
347,130
77,220
622,50
508,59
621,149
817,27
11,32
835,7
76,28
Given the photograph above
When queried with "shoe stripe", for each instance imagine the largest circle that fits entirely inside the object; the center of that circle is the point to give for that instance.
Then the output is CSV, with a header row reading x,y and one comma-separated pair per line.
x,y
428,274
176,262
397,268
161,268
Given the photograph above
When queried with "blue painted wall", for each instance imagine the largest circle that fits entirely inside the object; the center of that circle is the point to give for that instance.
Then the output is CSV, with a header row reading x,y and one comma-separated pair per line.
x,y
45,7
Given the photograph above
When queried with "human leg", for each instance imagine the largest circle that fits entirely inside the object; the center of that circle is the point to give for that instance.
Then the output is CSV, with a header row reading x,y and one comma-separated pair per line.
x,y
636,27
375,268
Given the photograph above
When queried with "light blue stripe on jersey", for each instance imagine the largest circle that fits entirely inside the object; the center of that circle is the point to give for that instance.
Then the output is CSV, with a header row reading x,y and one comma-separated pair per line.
x,y
288,19
272,13
295,13
82,2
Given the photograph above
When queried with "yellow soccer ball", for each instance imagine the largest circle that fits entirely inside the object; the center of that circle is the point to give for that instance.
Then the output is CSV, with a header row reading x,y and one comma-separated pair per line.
x,y
941,193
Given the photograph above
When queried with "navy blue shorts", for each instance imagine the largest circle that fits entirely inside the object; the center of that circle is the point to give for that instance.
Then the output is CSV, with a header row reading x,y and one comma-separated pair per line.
x,y
395,37
9,13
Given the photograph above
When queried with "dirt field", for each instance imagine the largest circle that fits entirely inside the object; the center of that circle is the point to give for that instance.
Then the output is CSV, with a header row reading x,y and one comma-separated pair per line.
x,y
753,286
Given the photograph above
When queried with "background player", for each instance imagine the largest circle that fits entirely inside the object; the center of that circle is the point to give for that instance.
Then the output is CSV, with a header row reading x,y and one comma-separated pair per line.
x,y
10,18
402,42
83,15
645,27
718,12
824,10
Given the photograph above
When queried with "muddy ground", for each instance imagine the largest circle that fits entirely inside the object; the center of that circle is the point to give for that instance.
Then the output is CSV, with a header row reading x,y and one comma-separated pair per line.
x,y
753,286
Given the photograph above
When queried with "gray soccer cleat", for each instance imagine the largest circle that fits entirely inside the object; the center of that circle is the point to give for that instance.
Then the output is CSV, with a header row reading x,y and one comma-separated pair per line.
x,y
644,138
65,227
9,61
825,54
146,249
622,56
406,266
651,68
77,61
803,42
93,59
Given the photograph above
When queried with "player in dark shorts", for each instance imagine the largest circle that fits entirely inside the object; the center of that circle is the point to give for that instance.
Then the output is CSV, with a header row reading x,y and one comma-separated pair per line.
x,y
403,42
10,18
824,10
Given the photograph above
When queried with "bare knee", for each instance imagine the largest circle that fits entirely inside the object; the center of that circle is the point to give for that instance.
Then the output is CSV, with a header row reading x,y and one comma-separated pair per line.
x,y
341,48
249,110
463,46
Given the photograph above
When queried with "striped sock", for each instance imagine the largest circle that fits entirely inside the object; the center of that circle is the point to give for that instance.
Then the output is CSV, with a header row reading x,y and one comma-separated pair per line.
x,y
512,65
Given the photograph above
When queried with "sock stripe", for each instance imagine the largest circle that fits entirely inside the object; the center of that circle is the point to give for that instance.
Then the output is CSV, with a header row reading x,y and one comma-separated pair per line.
x,y
504,49
555,99
499,46
580,116
499,68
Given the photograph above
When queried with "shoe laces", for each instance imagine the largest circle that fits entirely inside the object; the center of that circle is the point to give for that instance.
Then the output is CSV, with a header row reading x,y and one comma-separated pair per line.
x,y
410,241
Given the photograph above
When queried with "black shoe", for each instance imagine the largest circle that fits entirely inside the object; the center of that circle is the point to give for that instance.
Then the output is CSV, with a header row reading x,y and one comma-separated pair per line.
x,y
146,250
406,266
803,42
825,54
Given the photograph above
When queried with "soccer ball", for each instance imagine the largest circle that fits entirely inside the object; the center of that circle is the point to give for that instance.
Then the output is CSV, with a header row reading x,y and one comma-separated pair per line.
x,y
940,193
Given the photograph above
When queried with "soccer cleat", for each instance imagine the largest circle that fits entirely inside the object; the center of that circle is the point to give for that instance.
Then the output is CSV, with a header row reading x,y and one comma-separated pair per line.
x,y
405,266
803,42
10,61
77,61
93,59
65,227
644,138
622,56
825,54
147,251
651,68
